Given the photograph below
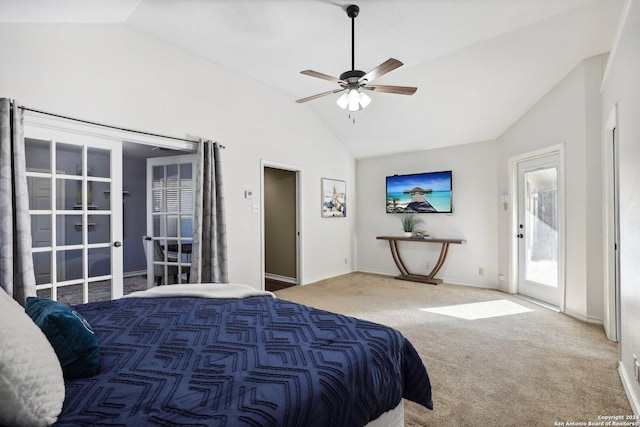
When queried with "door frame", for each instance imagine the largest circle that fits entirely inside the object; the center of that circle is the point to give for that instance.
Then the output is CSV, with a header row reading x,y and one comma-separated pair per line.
x,y
44,120
298,171
513,162
611,321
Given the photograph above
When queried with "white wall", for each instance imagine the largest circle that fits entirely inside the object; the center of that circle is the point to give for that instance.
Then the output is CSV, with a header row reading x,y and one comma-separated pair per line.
x,y
569,115
474,215
119,76
622,88
566,115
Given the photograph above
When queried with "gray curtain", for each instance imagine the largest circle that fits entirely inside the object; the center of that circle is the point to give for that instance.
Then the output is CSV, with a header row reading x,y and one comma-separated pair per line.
x,y
209,252
17,276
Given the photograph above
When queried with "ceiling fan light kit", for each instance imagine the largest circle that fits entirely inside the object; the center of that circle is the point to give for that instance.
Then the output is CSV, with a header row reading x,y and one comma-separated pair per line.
x,y
353,82
354,99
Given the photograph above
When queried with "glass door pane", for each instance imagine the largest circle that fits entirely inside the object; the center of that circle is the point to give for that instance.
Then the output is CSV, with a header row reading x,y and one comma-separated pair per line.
x,y
541,227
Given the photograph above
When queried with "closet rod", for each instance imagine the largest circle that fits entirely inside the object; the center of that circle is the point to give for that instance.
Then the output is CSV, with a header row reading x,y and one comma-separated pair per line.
x,y
33,110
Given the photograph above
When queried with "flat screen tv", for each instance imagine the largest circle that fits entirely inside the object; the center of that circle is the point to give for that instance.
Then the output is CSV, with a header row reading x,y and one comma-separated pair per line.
x,y
428,192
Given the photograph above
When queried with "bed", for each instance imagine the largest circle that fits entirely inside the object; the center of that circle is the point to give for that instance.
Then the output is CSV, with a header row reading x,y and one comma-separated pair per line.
x,y
228,355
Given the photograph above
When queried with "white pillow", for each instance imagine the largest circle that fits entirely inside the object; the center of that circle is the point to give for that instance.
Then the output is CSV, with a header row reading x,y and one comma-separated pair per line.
x,y
31,382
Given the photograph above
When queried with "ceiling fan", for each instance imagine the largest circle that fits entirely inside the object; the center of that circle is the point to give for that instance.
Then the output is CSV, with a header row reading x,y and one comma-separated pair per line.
x,y
355,81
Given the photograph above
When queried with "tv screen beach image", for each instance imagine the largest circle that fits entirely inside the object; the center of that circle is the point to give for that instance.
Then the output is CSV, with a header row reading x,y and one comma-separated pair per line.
x,y
419,193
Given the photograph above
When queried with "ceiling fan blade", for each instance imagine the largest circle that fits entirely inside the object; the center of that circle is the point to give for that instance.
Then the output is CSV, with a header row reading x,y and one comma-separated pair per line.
x,y
402,90
382,69
321,76
309,98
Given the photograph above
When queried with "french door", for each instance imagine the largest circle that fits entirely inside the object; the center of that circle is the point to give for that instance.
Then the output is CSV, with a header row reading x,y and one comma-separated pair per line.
x,y
170,208
538,229
75,202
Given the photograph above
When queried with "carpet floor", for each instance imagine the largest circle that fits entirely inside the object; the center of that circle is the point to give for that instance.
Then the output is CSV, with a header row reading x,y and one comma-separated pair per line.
x,y
98,291
516,365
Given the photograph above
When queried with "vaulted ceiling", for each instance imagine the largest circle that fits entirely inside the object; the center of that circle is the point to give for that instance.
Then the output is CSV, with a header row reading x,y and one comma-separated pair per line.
x,y
478,64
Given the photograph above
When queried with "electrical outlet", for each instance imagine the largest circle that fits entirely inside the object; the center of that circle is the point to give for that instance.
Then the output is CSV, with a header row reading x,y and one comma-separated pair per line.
x,y
481,271
428,265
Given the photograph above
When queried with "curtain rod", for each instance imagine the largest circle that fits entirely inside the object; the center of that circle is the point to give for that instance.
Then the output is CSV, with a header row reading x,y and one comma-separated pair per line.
x,y
33,110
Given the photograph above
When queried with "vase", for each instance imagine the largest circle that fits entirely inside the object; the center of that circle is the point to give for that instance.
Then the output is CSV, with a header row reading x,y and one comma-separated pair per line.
x,y
408,234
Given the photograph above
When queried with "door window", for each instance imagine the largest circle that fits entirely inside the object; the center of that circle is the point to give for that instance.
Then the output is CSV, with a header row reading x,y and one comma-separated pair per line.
x,y
541,227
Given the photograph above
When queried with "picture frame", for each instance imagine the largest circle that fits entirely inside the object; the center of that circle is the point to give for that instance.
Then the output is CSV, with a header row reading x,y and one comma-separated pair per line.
x,y
334,198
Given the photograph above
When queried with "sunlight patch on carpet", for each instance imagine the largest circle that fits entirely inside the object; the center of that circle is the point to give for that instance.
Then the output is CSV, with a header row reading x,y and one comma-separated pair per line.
x,y
480,310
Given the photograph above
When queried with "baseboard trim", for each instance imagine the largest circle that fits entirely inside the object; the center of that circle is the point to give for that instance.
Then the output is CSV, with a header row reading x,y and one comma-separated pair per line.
x,y
587,319
331,276
444,280
381,273
134,273
279,278
471,285
626,384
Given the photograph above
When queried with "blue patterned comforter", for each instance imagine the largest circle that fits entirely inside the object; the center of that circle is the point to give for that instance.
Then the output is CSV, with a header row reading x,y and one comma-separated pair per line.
x,y
256,361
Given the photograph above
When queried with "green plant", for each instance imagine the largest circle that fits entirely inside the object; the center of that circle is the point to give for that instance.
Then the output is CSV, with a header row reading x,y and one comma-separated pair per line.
x,y
409,221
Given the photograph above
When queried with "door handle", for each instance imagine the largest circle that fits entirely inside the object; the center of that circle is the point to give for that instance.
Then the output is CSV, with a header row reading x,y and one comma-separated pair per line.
x,y
147,238
117,243
520,236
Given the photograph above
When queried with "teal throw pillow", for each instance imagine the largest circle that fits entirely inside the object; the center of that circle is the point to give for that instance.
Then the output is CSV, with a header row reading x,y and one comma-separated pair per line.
x,y
70,336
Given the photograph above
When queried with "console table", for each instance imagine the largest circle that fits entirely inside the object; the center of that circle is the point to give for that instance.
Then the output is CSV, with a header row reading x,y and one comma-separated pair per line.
x,y
404,273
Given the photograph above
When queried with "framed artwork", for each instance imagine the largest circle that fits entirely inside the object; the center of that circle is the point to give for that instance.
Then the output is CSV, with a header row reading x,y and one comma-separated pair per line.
x,y
334,198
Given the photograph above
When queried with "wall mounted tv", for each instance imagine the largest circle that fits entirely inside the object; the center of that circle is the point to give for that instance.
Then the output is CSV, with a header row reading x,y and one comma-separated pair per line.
x,y
428,192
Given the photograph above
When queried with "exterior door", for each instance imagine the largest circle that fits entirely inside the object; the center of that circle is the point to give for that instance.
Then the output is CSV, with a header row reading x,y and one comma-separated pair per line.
x,y
538,230
75,196
170,207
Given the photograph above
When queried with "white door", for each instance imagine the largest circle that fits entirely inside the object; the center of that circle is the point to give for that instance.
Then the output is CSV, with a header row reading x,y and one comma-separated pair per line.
x,y
170,207
75,194
538,230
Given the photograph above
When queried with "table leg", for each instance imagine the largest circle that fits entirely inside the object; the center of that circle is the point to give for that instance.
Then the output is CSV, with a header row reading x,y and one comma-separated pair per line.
x,y
443,255
393,245
406,275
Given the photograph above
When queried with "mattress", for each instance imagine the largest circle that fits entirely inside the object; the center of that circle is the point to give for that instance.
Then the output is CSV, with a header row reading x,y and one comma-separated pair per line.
x,y
392,418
